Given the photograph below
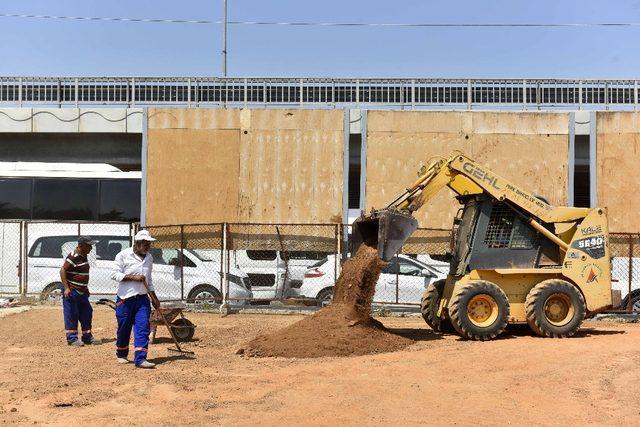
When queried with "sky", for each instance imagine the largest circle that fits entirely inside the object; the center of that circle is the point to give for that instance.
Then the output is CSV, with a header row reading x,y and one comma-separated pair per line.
x,y
36,47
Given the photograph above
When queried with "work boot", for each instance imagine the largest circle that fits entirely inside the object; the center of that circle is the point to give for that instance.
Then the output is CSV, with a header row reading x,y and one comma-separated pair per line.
x,y
76,343
90,341
145,364
122,360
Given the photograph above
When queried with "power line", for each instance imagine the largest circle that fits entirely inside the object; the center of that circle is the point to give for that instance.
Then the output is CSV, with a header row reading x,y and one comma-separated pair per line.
x,y
326,24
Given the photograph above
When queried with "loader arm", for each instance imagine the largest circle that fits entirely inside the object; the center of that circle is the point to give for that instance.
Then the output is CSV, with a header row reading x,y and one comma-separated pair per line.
x,y
390,227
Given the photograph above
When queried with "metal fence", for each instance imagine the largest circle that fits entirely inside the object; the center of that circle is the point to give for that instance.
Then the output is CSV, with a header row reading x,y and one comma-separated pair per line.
x,y
321,92
248,264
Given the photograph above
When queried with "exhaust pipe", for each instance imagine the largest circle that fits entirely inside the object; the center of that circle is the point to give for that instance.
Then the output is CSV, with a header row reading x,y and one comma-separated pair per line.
x,y
385,229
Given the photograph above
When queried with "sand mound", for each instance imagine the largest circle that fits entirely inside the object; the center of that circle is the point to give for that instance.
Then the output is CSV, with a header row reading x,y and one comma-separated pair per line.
x,y
343,328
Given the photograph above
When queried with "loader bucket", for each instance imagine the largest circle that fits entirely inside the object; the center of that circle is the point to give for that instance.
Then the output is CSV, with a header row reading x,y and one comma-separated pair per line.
x,y
385,229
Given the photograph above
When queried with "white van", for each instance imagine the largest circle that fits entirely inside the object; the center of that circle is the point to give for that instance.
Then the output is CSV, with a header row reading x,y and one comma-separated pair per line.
x,y
270,277
201,275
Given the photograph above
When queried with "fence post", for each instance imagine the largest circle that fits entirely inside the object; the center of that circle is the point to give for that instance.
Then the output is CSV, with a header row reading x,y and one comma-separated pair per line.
x,y
182,263
25,258
397,274
337,250
225,266
21,261
630,276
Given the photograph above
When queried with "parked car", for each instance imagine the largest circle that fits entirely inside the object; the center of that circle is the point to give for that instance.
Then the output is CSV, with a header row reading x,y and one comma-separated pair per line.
x,y
402,281
201,276
268,270
620,281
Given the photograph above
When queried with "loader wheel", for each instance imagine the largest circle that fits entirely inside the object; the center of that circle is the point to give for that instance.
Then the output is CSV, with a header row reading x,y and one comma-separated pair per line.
x,y
479,310
429,307
554,308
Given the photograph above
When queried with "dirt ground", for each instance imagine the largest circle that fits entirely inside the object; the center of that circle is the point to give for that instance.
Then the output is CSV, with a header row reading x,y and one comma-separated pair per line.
x,y
591,378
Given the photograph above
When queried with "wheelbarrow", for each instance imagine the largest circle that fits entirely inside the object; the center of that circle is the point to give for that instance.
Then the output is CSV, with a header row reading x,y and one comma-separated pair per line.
x,y
182,328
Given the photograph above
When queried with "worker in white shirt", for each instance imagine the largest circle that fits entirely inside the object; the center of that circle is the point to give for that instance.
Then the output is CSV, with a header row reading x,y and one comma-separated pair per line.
x,y
133,309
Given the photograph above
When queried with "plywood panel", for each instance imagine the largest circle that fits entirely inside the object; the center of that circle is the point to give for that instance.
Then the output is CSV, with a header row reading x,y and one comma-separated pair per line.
x,y
291,172
535,161
192,176
194,118
618,158
281,166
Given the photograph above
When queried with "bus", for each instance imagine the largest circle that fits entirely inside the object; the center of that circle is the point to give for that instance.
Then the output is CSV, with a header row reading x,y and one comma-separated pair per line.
x,y
68,191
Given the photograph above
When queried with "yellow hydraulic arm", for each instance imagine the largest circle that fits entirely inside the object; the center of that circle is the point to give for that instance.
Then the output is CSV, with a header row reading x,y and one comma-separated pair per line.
x,y
465,177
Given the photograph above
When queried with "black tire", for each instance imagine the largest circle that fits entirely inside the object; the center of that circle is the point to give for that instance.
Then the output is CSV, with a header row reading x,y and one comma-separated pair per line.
x,y
325,297
205,293
429,307
635,301
484,299
183,329
52,292
555,308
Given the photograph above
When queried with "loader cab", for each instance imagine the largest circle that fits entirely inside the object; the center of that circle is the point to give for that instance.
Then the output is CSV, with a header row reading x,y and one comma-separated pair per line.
x,y
489,234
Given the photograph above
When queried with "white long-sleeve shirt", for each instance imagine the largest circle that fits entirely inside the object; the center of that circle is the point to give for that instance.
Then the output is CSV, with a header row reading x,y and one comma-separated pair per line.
x,y
128,263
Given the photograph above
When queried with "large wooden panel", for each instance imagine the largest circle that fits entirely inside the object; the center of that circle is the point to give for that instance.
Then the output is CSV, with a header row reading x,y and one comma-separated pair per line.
x,y
192,175
194,118
530,149
618,159
264,166
291,167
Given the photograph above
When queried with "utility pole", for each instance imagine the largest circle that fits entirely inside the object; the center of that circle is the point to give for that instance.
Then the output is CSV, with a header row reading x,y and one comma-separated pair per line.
x,y
224,42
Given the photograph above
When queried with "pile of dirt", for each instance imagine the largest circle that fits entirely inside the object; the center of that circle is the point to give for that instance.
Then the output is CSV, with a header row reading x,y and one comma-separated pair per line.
x,y
343,328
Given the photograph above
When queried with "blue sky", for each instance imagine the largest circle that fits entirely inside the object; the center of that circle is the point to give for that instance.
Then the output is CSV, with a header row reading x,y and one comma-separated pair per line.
x,y
43,47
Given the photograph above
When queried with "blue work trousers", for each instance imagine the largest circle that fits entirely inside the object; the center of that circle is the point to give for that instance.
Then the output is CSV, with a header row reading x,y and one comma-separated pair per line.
x,y
133,313
76,307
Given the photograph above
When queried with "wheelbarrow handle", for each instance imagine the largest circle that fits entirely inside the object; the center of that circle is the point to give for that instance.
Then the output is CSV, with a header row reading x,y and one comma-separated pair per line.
x,y
156,304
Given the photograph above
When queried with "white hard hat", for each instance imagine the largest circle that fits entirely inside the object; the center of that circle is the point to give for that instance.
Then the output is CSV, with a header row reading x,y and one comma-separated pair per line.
x,y
143,235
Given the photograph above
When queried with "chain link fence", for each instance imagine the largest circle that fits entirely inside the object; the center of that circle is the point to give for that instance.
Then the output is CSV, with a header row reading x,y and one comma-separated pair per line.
x,y
625,269
249,264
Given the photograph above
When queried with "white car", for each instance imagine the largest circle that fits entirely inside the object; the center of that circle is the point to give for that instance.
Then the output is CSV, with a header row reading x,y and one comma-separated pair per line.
x,y
201,276
402,281
267,270
620,281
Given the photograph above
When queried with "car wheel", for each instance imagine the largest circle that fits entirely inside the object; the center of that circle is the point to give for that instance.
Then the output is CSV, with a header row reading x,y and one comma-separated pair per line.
x,y
52,293
325,297
635,305
205,294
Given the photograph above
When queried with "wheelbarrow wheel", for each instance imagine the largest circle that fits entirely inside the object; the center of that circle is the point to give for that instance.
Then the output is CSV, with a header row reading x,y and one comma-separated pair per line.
x,y
183,329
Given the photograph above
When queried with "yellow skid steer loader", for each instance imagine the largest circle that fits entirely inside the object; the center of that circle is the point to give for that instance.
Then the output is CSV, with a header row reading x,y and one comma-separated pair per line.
x,y
514,257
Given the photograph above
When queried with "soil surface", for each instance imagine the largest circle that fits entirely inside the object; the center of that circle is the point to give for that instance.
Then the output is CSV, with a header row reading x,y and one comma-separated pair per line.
x,y
591,378
343,328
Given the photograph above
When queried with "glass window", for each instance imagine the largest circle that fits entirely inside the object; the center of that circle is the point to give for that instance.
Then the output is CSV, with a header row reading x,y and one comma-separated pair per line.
x,y
261,255
107,247
53,246
265,280
169,257
73,199
391,267
307,255
409,269
120,200
15,198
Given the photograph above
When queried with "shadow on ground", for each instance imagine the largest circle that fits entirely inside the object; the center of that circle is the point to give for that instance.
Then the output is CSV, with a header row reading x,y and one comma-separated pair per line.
x,y
416,334
169,340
